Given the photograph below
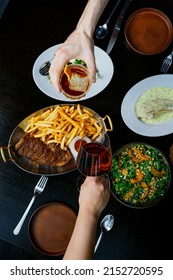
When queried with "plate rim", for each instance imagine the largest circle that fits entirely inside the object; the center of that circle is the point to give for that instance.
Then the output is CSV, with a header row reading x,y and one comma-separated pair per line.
x,y
155,202
159,14
21,127
65,206
51,91
128,113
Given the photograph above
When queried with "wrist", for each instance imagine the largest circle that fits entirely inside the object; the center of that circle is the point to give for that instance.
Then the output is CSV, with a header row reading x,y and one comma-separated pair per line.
x,y
90,16
89,214
86,28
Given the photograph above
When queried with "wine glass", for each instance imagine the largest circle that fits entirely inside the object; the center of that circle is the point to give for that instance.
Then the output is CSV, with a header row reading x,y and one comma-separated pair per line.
x,y
94,158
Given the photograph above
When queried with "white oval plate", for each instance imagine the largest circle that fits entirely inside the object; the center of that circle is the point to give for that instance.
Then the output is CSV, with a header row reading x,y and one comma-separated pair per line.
x,y
129,101
103,63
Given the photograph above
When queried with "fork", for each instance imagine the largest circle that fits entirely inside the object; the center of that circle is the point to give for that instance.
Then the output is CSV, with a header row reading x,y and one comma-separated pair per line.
x,y
167,63
37,190
44,69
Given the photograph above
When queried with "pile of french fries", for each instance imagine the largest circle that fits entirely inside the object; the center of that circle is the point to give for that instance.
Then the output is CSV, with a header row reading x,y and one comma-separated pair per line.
x,y
61,124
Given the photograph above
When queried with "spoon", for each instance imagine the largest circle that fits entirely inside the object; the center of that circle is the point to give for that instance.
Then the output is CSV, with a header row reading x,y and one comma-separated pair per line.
x,y
106,224
102,30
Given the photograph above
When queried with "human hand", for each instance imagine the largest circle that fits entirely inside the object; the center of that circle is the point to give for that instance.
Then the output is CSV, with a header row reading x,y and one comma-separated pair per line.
x,y
94,195
77,46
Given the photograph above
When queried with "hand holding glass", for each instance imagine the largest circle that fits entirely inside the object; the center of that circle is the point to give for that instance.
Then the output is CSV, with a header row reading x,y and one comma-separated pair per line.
x,y
95,158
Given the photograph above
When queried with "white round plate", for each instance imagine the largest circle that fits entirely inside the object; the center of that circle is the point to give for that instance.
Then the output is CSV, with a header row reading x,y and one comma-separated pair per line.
x,y
129,101
103,63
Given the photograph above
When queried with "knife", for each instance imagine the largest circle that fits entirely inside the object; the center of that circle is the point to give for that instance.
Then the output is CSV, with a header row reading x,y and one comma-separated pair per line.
x,y
117,27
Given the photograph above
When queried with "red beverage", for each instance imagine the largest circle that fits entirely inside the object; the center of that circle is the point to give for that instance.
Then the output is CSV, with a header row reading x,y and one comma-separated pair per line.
x,y
94,159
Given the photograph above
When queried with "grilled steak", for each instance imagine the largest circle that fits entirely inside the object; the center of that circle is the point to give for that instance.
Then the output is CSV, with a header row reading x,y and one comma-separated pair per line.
x,y
41,153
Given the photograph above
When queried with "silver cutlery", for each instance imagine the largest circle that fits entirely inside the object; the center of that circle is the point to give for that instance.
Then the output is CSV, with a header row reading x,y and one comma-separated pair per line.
x,y
37,190
102,30
167,63
44,69
106,224
117,27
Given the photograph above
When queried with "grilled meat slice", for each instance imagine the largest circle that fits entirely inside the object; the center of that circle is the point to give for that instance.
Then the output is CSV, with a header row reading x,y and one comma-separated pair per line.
x,y
41,153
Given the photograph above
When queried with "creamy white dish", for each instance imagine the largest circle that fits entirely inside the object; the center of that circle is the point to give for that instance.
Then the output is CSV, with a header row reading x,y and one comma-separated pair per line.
x,y
155,106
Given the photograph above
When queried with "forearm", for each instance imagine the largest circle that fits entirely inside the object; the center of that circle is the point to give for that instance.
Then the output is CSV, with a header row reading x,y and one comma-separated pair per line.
x,y
90,15
81,245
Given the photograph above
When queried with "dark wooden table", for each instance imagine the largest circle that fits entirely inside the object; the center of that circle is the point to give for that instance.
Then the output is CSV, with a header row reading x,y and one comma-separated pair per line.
x,y
27,28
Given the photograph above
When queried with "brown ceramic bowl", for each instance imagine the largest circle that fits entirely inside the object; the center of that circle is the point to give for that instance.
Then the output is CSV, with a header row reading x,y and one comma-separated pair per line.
x,y
148,31
140,175
50,228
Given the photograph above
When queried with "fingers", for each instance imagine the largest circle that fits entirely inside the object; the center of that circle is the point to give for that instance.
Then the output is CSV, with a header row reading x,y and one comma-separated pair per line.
x,y
92,68
57,67
65,53
55,71
101,182
55,77
89,58
94,195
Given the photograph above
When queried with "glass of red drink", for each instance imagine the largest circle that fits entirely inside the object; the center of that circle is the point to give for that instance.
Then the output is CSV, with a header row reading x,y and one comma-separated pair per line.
x,y
77,83
94,159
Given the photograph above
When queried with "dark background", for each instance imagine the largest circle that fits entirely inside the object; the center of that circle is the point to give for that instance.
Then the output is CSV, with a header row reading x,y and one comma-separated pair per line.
x,y
27,28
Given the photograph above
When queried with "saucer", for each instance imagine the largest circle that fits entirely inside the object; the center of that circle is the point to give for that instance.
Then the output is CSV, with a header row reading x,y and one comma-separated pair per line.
x,y
51,227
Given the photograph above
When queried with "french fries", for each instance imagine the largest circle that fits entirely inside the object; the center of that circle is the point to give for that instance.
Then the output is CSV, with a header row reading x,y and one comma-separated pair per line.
x,y
61,124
